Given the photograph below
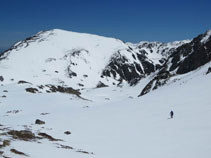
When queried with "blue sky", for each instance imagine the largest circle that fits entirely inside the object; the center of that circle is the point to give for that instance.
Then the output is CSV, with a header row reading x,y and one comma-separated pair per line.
x,y
128,20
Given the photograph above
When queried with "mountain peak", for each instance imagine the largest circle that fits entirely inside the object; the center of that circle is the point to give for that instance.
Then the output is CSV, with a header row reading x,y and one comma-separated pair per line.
x,y
58,56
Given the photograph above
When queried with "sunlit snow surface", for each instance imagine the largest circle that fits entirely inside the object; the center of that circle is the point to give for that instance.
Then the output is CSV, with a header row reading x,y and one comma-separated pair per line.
x,y
115,123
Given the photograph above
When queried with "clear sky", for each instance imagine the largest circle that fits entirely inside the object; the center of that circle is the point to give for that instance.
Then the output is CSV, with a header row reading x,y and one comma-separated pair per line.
x,y
128,20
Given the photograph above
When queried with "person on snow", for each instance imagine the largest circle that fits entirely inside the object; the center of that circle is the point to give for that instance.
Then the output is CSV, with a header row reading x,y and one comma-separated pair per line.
x,y
171,114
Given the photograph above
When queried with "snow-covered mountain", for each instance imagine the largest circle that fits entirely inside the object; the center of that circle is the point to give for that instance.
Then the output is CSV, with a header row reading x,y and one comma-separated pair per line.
x,y
83,121
59,57
82,60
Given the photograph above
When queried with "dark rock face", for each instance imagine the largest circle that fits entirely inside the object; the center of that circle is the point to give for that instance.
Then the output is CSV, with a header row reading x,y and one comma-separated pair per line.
x,y
17,152
148,66
53,89
32,90
1,78
67,132
39,122
121,69
47,136
23,82
160,80
209,70
5,143
22,135
184,59
61,89
194,55
101,85
71,73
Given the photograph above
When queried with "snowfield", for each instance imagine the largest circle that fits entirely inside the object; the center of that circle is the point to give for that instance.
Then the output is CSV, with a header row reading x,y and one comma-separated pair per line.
x,y
113,122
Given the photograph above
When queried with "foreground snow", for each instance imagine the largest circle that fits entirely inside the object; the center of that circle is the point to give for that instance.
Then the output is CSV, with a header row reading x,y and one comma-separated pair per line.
x,y
115,123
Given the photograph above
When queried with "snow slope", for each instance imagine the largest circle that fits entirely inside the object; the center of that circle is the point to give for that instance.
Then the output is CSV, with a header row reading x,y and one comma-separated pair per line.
x,y
115,123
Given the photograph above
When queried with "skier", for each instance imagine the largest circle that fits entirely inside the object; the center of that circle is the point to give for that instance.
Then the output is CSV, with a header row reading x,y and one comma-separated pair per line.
x,y
171,114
